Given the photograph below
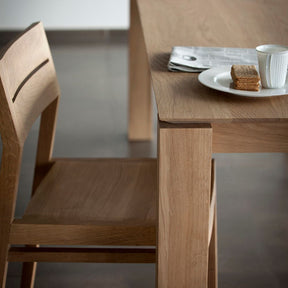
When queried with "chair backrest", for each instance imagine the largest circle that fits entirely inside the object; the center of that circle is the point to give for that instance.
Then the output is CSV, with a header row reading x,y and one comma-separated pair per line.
x,y
28,81
28,89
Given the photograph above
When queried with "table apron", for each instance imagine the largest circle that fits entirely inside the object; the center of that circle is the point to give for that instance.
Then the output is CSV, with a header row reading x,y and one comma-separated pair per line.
x,y
250,137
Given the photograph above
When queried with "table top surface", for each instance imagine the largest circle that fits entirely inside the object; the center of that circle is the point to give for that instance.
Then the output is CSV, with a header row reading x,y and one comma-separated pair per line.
x,y
212,23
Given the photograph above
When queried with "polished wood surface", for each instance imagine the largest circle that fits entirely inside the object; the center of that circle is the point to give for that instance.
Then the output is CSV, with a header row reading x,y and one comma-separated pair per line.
x,y
223,23
64,191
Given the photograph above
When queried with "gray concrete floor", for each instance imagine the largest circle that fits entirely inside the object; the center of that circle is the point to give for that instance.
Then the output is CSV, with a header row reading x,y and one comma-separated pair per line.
x,y
92,121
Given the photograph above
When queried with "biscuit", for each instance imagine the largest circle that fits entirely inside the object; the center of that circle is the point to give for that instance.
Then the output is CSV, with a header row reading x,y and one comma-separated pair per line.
x,y
249,87
244,73
245,77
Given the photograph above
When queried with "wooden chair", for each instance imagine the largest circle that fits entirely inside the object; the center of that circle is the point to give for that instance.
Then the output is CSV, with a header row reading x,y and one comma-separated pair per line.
x,y
101,202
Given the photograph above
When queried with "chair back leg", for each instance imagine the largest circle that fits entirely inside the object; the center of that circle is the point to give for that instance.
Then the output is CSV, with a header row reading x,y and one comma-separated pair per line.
x,y
4,246
28,274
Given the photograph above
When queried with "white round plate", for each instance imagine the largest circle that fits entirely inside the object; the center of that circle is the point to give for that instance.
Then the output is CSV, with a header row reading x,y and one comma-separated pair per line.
x,y
219,78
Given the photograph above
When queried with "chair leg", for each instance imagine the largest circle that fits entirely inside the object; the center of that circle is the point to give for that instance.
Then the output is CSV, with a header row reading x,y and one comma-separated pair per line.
x,y
28,274
4,246
3,272
213,257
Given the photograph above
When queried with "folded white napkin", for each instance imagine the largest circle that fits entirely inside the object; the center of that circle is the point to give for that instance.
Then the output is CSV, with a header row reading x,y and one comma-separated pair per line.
x,y
197,59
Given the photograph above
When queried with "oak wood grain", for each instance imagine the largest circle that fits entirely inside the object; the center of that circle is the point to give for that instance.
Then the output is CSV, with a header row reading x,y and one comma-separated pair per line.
x,y
9,181
180,96
184,156
140,103
112,191
74,201
250,137
38,89
82,234
45,143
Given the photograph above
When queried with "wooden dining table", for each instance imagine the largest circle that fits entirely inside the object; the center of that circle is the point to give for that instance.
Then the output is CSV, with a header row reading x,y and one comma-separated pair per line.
x,y
195,121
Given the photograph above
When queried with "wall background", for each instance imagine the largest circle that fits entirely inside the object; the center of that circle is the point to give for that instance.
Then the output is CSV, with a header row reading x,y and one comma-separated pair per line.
x,y
65,14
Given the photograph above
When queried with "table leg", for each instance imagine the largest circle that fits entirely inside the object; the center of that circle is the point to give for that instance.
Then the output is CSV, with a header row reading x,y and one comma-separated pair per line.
x,y
140,107
213,257
185,153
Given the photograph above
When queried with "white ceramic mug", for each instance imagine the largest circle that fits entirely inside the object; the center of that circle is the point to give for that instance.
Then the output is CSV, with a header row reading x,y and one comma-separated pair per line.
x,y
273,64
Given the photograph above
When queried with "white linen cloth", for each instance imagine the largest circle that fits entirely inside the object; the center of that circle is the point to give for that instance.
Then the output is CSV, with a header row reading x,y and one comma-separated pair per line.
x,y
197,59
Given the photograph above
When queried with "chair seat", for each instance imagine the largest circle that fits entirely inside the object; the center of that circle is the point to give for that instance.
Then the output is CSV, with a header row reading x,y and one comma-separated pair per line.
x,y
98,191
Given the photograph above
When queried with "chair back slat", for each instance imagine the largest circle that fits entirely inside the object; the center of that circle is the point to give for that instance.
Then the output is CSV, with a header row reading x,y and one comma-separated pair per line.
x,y
28,79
